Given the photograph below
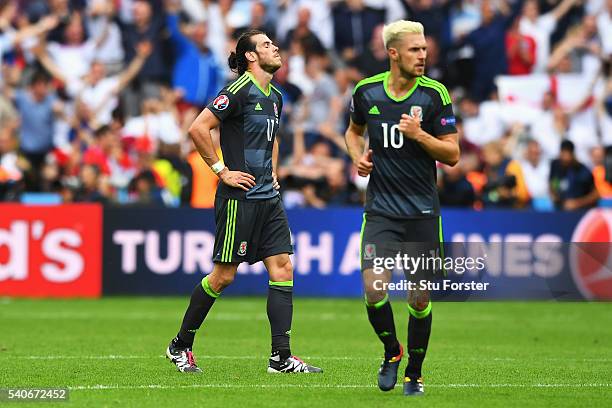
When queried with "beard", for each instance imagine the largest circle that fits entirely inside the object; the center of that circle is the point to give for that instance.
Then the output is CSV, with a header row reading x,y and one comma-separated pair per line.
x,y
270,66
408,73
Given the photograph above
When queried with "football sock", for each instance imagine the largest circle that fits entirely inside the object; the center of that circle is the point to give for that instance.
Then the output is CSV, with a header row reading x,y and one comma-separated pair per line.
x,y
202,299
280,313
419,329
381,318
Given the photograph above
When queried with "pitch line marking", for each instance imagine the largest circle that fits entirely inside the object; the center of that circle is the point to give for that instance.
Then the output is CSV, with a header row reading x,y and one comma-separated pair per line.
x,y
264,357
160,386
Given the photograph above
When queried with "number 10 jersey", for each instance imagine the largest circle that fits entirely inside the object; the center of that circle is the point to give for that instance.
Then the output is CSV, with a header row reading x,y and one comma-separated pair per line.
x,y
403,181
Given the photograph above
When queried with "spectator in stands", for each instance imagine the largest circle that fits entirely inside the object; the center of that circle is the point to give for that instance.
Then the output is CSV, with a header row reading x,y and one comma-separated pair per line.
x,y
175,173
434,15
303,34
454,188
500,187
604,103
540,28
37,107
571,183
89,190
98,92
354,23
146,26
488,42
550,127
9,37
196,73
604,26
602,173
12,166
145,191
320,20
520,51
310,172
75,54
211,13
579,52
100,17
535,172
436,65
204,181
260,21
322,101
374,59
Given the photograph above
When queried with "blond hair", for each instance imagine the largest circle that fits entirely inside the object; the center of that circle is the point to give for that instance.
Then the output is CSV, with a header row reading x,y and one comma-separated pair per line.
x,y
394,31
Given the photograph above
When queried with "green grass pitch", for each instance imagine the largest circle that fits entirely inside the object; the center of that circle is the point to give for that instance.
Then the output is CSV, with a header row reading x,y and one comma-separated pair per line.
x,y
109,352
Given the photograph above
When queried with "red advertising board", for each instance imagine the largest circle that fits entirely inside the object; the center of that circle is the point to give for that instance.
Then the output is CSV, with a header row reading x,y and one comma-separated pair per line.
x,y
51,251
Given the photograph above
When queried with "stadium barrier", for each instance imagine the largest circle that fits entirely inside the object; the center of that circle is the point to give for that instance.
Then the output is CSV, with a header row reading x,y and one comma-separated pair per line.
x,y
87,251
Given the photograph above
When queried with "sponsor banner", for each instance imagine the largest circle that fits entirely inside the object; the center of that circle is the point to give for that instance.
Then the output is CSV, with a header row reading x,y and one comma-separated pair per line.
x,y
166,251
50,251
161,251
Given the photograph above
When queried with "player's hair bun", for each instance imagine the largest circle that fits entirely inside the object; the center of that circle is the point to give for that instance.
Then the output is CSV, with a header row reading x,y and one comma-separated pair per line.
x,y
233,61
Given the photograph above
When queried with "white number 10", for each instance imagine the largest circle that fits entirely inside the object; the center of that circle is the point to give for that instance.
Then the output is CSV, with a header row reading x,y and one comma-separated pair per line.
x,y
397,139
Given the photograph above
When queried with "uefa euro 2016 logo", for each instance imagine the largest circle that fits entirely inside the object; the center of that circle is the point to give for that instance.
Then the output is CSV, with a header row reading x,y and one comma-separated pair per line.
x,y
221,102
591,254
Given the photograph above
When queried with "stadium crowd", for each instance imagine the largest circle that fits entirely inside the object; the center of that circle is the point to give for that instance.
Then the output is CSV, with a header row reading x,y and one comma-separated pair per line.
x,y
97,96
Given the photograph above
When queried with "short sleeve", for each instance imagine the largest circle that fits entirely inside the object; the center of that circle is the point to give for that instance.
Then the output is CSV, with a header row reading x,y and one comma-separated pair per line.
x,y
225,105
443,119
356,109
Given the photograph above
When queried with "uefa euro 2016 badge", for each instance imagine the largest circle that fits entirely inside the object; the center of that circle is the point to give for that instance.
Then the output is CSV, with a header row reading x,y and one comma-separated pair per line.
x,y
275,109
369,251
242,248
221,102
416,112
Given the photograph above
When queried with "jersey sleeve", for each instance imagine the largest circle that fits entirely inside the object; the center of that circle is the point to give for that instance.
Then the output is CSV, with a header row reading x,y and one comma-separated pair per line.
x,y
443,119
357,113
225,105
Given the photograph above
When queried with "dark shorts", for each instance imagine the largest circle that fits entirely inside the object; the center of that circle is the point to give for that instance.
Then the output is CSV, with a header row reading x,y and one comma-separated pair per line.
x,y
250,230
385,237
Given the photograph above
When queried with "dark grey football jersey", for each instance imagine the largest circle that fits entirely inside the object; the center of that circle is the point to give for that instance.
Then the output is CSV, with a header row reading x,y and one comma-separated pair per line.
x,y
249,118
403,181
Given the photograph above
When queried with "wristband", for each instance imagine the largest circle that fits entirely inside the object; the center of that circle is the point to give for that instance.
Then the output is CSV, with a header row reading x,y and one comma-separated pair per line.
x,y
217,167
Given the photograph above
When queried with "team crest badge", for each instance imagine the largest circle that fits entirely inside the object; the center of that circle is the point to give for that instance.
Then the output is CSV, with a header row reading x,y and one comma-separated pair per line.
x,y
416,112
221,102
369,251
275,109
242,248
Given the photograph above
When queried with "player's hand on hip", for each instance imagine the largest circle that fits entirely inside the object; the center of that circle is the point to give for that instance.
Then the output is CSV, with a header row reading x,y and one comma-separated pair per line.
x,y
275,184
409,126
365,164
238,179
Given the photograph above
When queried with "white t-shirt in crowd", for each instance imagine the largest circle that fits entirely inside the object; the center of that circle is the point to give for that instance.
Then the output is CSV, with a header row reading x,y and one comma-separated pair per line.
x,y
540,31
583,132
604,27
545,133
101,97
536,178
74,60
158,127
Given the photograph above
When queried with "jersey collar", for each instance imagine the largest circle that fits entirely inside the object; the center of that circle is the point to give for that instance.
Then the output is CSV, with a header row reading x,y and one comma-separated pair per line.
x,y
267,93
401,98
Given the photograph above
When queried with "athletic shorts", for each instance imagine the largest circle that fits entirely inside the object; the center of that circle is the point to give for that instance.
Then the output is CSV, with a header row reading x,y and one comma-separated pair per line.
x,y
250,230
384,237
